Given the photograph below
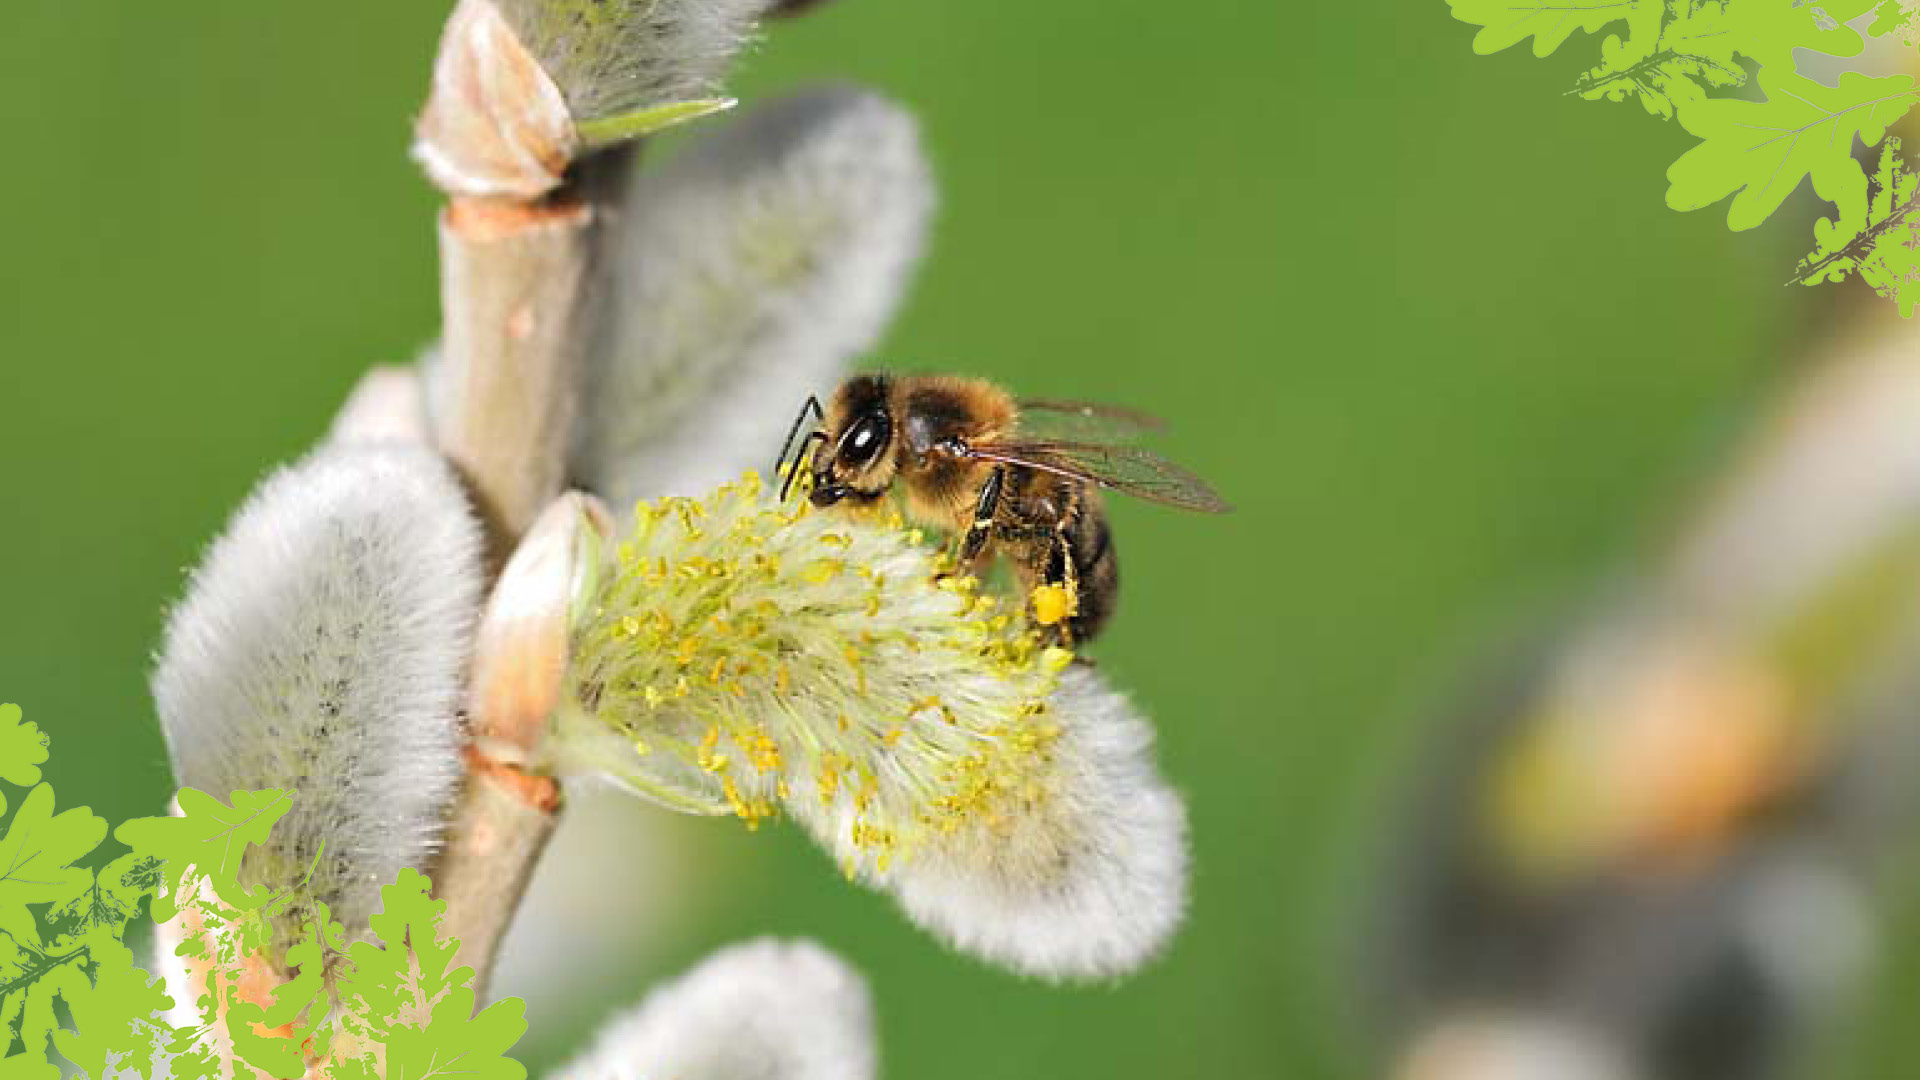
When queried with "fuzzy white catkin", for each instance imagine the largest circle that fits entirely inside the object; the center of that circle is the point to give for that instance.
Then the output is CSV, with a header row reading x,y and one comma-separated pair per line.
x,y
610,57
747,655
749,270
1089,883
321,647
764,1010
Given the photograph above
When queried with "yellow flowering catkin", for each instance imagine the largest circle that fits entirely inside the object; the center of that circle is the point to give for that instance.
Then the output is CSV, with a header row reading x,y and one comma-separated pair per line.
x,y
751,654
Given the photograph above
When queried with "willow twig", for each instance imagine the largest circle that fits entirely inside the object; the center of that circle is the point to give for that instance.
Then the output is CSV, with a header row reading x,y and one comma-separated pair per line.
x,y
516,249
513,293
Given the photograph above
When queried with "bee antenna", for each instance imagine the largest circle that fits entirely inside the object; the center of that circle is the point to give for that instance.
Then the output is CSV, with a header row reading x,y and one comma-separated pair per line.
x,y
813,405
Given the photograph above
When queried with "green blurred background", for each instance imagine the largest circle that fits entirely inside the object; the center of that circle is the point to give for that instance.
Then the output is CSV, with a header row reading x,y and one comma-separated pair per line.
x,y
1425,320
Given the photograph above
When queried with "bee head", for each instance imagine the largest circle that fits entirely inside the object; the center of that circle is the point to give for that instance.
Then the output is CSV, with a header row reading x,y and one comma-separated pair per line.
x,y
857,460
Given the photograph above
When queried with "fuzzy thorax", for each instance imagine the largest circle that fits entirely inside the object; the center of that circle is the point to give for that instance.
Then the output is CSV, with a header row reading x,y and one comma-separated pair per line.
x,y
750,653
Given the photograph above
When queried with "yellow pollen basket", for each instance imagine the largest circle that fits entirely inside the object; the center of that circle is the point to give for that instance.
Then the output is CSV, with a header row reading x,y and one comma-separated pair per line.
x,y
1053,604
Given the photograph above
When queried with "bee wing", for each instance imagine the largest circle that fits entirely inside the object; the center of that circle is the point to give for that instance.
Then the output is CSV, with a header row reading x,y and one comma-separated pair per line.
x,y
1130,469
1085,421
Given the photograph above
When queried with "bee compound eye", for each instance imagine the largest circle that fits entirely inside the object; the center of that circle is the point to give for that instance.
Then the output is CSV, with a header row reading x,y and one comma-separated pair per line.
x,y
864,441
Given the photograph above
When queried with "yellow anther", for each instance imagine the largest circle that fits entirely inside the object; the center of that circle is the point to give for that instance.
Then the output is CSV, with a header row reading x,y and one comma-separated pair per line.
x,y
687,650
763,752
821,571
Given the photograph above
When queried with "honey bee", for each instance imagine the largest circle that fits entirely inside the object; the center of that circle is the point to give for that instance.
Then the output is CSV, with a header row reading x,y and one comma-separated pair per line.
x,y
1013,478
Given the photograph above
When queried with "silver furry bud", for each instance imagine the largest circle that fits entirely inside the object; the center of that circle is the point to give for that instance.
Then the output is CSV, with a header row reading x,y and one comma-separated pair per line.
x,y
322,647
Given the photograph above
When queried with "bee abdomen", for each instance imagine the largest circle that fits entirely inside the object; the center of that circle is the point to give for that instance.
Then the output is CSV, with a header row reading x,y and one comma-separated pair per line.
x,y
1099,573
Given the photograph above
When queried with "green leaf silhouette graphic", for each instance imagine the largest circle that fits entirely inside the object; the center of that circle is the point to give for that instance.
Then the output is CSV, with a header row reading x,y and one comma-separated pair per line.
x,y
111,1006
1679,59
1763,149
1877,245
1667,59
22,749
1770,30
405,997
210,835
458,1043
1895,17
36,860
1548,22
398,1011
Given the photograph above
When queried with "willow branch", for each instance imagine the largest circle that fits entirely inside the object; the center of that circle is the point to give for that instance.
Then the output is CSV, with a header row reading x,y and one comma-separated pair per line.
x,y
513,293
516,251
513,289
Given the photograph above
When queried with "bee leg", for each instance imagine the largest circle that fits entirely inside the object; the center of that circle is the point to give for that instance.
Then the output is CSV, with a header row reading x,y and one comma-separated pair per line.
x,y
1070,575
1058,571
983,511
